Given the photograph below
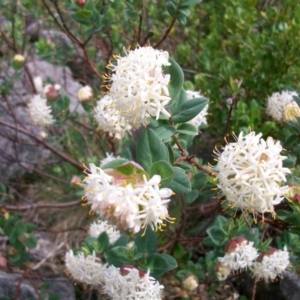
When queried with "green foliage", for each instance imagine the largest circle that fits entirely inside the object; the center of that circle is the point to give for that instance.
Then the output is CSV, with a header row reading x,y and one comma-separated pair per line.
x,y
20,238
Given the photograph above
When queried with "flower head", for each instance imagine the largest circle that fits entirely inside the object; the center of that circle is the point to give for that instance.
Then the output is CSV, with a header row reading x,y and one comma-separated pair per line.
x,y
251,173
85,268
201,117
85,94
190,283
39,111
97,228
239,254
291,111
109,118
271,264
139,85
128,283
129,202
18,61
277,102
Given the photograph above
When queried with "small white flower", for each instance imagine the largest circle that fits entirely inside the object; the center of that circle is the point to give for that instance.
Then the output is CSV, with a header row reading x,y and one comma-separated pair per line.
x,y
109,118
39,111
277,102
201,117
139,85
96,228
251,173
239,254
190,283
85,268
128,202
132,284
271,264
85,94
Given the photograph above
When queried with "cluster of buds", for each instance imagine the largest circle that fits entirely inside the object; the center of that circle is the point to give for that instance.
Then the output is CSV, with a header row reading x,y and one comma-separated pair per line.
x,y
241,255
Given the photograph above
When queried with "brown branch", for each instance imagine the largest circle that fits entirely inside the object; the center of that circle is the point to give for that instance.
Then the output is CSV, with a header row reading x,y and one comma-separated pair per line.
x,y
45,144
40,205
140,23
61,230
166,33
190,158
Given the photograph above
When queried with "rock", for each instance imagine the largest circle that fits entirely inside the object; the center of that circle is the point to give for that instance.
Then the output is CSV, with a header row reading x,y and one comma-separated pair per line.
x,y
290,286
20,153
9,282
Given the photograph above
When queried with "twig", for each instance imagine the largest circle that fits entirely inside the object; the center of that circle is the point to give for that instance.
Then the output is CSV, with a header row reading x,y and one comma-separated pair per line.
x,y
45,144
40,205
166,33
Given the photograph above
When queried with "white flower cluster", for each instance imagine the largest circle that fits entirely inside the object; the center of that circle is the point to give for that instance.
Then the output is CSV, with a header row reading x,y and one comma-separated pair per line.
x,y
85,94
128,202
139,90
39,111
109,118
201,117
96,228
119,283
271,264
85,268
49,91
132,285
251,173
277,103
240,254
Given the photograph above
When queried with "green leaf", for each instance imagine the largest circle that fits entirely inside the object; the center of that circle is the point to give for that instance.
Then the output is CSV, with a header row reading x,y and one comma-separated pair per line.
x,y
189,110
150,149
199,180
177,78
84,14
121,241
165,132
217,235
145,241
188,129
159,264
115,163
190,2
30,241
130,168
103,242
181,19
165,170
171,8
176,102
118,256
180,183
191,196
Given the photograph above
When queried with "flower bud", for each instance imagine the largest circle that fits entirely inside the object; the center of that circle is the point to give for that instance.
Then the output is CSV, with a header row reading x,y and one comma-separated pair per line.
x,y
85,94
51,91
190,283
18,61
80,3
124,270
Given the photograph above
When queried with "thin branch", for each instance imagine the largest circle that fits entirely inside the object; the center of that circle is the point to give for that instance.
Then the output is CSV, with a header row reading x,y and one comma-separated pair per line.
x,y
140,23
166,33
40,205
46,145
